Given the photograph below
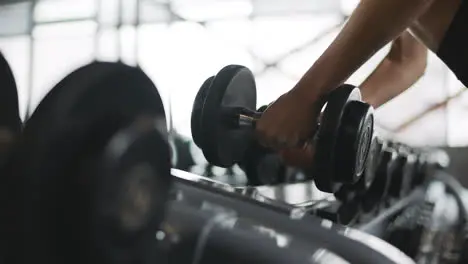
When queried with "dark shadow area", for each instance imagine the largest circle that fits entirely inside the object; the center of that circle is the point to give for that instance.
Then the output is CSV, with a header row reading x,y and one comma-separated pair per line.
x,y
459,163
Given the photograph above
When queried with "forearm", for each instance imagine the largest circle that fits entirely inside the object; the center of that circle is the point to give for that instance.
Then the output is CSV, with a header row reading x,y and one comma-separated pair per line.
x,y
389,80
373,24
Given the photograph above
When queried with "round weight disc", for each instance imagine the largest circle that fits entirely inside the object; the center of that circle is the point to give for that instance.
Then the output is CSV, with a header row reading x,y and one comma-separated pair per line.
x,y
9,112
233,86
328,150
375,153
132,187
68,130
197,109
378,190
10,121
354,141
10,129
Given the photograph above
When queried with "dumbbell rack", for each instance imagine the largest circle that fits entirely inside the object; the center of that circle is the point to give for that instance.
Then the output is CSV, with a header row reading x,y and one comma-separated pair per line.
x,y
404,169
206,195
430,163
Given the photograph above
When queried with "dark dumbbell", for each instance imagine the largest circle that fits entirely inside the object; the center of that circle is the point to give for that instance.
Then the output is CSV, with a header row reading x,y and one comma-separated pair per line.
x,y
409,171
224,108
197,110
378,191
130,195
355,192
56,207
373,161
10,121
257,162
403,173
351,196
420,169
397,185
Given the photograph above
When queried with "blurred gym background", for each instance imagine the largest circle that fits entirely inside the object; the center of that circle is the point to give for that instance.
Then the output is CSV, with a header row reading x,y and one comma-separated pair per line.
x,y
179,43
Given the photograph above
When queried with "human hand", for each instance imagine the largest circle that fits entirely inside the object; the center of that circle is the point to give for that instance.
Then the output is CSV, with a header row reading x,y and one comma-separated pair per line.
x,y
289,122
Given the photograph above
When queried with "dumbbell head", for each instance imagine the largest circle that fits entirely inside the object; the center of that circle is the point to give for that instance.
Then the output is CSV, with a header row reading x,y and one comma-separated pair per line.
x,y
197,109
63,139
132,184
396,171
233,87
356,191
377,192
10,121
375,154
9,112
343,140
403,171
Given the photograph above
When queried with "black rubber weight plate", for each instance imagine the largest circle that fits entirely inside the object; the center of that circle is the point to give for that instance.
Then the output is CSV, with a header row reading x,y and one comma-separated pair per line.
x,y
328,132
233,86
379,188
375,153
68,130
9,112
197,109
10,128
134,182
354,141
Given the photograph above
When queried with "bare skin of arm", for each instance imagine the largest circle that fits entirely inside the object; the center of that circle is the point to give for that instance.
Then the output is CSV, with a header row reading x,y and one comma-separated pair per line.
x,y
371,26
407,59
374,23
403,66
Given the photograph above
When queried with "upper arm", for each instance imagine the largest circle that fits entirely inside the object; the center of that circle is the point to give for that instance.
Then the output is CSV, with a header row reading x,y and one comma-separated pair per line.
x,y
407,48
432,25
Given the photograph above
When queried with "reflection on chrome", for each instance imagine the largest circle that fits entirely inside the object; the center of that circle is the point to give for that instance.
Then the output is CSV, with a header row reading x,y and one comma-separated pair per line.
x,y
200,179
324,256
302,195
298,194
378,245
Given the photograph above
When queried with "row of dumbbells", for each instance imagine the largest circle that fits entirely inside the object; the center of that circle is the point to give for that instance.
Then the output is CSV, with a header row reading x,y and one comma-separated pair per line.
x,y
394,170
366,173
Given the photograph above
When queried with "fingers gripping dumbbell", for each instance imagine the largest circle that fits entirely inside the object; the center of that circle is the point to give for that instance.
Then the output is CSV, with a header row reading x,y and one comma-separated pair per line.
x,y
224,119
